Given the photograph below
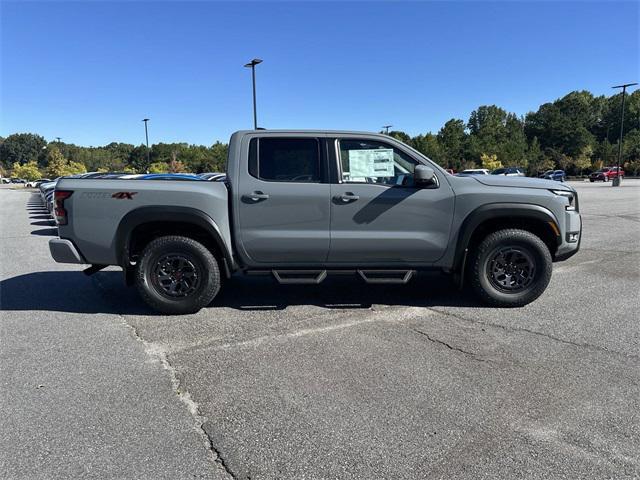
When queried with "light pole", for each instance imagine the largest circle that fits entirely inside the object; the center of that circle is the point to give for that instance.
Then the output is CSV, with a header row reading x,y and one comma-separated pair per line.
x,y
252,64
146,136
616,179
386,129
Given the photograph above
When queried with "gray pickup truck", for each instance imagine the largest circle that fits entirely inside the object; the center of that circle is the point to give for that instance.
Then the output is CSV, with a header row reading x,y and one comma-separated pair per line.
x,y
301,205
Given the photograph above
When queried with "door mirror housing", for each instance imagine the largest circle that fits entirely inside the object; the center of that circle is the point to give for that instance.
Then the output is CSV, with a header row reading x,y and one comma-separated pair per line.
x,y
424,176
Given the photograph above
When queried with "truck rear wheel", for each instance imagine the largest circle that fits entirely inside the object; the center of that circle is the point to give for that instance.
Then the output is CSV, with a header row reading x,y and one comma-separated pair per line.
x,y
511,268
177,275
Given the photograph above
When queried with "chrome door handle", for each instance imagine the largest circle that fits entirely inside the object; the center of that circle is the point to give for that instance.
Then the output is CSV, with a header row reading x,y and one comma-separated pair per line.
x,y
256,196
348,197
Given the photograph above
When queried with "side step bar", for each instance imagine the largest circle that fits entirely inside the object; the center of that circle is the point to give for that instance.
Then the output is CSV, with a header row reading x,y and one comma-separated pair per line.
x,y
386,276
314,277
299,276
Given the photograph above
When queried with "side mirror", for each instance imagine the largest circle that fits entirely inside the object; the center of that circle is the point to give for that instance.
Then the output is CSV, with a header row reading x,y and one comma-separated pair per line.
x,y
424,176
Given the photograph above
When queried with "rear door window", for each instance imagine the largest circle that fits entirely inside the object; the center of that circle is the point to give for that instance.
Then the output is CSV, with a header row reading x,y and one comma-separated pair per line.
x,y
285,159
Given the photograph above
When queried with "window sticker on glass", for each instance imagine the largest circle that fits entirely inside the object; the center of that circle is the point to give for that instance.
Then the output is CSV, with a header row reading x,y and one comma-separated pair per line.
x,y
371,163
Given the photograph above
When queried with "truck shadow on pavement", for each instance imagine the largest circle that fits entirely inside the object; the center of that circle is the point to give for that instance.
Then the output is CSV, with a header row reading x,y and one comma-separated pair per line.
x,y
105,292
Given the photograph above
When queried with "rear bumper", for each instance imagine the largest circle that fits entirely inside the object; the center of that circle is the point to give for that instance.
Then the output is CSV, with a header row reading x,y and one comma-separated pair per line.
x,y
64,251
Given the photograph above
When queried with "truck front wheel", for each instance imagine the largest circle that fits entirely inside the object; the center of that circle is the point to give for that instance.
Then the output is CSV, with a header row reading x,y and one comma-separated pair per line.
x,y
511,268
177,275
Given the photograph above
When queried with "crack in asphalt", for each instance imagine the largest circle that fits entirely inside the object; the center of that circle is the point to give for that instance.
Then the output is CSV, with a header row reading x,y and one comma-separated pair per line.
x,y
219,457
473,355
540,334
155,351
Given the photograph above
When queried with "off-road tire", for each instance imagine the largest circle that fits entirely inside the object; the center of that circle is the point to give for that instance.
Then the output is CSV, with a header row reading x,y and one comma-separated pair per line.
x,y
199,260
521,240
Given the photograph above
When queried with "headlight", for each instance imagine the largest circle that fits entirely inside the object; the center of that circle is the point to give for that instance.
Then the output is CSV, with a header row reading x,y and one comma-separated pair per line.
x,y
568,195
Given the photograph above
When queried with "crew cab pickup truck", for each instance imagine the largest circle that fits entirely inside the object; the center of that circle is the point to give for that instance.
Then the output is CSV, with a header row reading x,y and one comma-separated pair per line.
x,y
302,205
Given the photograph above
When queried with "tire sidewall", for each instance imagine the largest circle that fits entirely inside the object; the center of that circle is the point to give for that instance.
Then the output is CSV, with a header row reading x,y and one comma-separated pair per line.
x,y
203,261
518,239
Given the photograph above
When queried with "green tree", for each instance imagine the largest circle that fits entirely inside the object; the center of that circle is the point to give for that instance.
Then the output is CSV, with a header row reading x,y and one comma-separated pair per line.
x,y
21,148
535,158
58,166
159,167
631,146
430,146
403,137
512,149
493,131
565,125
138,159
29,171
176,166
216,159
452,137
490,162
583,160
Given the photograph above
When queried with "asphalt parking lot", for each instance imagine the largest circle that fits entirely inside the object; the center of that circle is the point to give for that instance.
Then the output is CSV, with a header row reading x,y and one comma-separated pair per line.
x,y
340,380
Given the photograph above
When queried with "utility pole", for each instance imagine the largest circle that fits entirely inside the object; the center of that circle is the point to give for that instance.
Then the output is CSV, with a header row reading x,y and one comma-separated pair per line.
x,y
146,136
617,180
386,129
252,64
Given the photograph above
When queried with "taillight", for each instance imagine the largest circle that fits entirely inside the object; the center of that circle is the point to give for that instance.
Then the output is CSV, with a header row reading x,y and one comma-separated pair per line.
x,y
59,196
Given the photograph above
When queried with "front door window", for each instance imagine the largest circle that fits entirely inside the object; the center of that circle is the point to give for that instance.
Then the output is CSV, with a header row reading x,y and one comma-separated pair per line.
x,y
370,161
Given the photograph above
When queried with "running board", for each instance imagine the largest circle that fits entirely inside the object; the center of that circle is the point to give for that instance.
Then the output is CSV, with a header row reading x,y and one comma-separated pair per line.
x,y
299,276
386,276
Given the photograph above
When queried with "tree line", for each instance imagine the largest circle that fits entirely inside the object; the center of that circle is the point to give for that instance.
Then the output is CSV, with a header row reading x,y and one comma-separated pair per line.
x,y
577,133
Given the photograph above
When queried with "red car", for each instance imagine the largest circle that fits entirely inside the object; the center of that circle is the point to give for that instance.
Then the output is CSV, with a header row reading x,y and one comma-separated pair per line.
x,y
605,174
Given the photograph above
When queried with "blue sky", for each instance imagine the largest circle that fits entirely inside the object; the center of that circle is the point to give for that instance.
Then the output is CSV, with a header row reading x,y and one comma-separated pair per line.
x,y
90,71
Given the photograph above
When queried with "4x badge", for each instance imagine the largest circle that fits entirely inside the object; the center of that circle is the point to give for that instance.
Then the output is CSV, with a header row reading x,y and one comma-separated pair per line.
x,y
124,195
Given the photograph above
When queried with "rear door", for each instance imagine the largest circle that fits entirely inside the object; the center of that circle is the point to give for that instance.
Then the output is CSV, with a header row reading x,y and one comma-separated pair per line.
x,y
283,200
378,216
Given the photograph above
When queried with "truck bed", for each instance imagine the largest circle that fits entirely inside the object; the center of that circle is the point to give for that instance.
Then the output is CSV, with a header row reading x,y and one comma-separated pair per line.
x,y
97,208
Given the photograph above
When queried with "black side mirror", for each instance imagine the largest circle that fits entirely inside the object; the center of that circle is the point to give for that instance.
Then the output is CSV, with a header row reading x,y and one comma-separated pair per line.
x,y
424,176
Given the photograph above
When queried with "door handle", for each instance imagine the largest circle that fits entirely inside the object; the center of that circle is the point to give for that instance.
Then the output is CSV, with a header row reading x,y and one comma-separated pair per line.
x,y
348,197
256,196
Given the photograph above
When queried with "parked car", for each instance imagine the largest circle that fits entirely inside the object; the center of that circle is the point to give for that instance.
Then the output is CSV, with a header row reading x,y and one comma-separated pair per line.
x,y
605,174
509,172
36,183
213,177
5,180
473,171
169,176
300,221
557,175
18,180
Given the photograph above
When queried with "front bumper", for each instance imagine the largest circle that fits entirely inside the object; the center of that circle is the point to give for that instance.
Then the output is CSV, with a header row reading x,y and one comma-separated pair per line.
x,y
572,226
64,251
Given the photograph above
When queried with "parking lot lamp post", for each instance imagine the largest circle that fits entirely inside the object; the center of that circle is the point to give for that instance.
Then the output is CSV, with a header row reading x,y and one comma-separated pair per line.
x,y
252,64
146,136
616,179
386,129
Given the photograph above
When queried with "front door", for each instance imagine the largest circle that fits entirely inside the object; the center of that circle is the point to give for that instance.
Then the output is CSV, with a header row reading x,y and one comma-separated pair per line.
x,y
377,215
283,201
